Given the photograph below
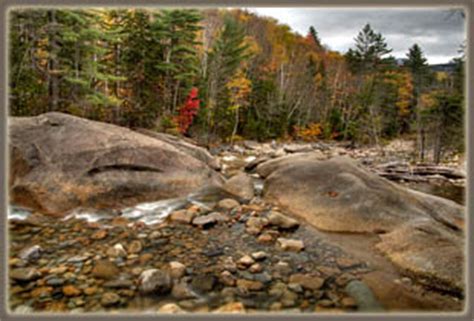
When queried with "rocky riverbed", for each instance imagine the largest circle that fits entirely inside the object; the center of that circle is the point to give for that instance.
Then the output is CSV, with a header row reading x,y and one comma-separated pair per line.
x,y
224,249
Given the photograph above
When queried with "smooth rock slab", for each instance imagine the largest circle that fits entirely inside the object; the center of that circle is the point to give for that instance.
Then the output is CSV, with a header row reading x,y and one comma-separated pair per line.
x,y
423,234
61,162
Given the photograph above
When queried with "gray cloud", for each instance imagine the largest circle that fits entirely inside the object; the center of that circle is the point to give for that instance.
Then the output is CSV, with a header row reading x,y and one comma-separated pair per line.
x,y
438,31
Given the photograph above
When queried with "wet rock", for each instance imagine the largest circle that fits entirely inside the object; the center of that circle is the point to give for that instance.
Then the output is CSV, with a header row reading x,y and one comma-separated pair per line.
x,y
154,281
228,204
182,216
290,244
307,281
25,274
32,253
203,283
109,299
209,220
135,247
240,185
231,307
177,269
170,308
104,269
282,221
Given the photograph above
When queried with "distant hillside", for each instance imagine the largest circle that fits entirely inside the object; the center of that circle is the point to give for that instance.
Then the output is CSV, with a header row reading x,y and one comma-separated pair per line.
x,y
449,67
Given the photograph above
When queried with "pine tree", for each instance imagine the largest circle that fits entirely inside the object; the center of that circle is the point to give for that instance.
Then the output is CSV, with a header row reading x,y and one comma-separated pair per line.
x,y
370,47
226,56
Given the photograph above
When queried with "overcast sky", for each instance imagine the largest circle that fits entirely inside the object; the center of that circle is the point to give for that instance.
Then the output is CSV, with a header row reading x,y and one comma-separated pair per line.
x,y
439,32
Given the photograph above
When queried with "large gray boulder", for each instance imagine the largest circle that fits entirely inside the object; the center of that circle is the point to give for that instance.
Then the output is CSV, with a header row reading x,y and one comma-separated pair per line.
x,y
424,233
59,162
187,147
266,168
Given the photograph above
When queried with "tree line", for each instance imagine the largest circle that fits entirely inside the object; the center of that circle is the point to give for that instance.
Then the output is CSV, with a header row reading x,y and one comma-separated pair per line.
x,y
225,75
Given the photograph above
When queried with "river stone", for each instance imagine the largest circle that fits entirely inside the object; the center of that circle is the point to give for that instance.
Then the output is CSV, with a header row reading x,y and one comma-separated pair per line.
x,y
25,274
170,308
104,269
245,261
203,283
60,162
249,285
255,225
240,185
284,222
181,291
340,195
117,251
290,244
31,253
307,281
182,216
208,220
364,297
135,247
228,204
177,269
297,148
231,307
109,299
154,281
260,255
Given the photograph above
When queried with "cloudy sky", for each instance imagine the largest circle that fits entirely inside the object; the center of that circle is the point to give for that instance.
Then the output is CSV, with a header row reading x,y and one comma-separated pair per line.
x,y
439,32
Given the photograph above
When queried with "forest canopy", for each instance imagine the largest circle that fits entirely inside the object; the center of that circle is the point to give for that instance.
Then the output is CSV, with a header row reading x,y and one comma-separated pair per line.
x,y
227,75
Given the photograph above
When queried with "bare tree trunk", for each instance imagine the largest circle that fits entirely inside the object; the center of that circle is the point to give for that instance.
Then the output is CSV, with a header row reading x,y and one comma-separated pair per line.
x,y
236,125
53,65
